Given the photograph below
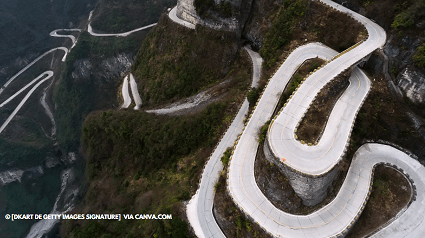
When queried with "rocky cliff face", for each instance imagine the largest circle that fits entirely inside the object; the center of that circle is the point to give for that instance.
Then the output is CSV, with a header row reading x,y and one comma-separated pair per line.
x,y
242,8
399,48
412,82
259,22
101,71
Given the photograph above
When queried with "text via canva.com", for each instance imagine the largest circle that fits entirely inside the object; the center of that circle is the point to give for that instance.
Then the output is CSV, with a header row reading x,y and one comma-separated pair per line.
x,y
117,217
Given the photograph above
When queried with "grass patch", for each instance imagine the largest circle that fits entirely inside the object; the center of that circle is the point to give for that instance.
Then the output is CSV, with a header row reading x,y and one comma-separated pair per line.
x,y
229,218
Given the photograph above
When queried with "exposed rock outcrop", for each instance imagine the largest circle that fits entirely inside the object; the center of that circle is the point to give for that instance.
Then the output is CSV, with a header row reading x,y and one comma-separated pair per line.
x,y
412,82
187,11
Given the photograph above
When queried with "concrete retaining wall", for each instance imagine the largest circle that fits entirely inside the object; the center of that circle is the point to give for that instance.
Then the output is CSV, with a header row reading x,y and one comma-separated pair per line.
x,y
311,189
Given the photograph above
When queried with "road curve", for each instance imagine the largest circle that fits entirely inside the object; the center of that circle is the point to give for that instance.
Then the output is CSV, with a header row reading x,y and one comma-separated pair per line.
x,y
21,90
125,93
124,34
199,208
73,39
191,102
53,34
135,93
48,75
319,159
172,15
33,62
337,217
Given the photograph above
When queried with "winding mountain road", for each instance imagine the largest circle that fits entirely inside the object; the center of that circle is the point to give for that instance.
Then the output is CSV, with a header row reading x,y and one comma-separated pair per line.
x,y
47,75
173,16
73,39
135,93
54,33
125,93
336,218
124,34
199,209
31,64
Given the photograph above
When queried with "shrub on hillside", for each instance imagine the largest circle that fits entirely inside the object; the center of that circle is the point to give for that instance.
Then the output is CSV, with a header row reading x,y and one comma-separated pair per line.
x,y
419,57
252,96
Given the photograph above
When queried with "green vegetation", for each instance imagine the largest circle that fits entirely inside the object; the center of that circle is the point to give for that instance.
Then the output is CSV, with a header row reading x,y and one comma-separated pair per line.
x,y
76,98
204,7
294,83
314,65
281,31
381,187
18,152
28,146
292,26
404,20
132,158
143,163
366,3
90,46
419,57
307,67
253,95
413,10
126,15
226,156
146,141
263,132
194,60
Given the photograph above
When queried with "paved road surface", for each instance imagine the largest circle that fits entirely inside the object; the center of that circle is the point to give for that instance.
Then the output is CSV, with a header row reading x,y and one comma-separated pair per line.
x,y
33,62
49,74
172,15
135,93
125,93
338,216
73,39
199,209
124,34
193,101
